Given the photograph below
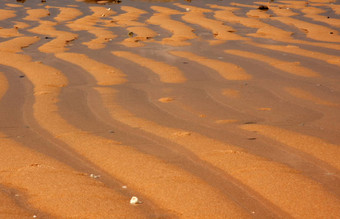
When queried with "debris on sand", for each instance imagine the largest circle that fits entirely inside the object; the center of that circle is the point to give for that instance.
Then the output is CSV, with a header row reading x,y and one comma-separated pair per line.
x,y
134,200
94,176
263,7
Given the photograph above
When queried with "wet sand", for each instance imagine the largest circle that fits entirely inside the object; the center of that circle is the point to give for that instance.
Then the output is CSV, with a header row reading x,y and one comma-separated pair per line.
x,y
201,110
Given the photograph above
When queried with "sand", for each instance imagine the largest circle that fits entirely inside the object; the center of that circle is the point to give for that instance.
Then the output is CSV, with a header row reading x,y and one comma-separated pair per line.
x,y
200,109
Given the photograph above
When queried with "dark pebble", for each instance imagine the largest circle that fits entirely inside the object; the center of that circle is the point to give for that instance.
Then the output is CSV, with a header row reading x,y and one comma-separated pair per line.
x,y
263,7
249,123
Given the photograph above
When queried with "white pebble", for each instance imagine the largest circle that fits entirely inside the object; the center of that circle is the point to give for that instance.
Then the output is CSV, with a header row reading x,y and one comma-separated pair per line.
x,y
94,176
134,200
34,216
187,9
124,187
109,9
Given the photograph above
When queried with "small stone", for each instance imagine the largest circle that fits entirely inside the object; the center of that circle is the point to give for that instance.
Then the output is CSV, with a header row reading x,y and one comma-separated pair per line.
x,y
330,32
249,123
124,187
263,7
187,9
34,165
131,34
34,216
94,176
21,76
109,9
134,200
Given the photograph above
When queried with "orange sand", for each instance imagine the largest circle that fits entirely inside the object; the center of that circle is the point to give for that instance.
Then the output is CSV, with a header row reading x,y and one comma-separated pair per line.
x,y
200,110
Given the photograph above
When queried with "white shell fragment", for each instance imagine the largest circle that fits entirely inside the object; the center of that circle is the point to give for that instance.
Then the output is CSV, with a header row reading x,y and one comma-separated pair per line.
x,y
134,200
94,176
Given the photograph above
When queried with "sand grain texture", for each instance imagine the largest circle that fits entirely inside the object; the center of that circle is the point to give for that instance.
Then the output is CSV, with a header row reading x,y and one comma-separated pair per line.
x,y
200,109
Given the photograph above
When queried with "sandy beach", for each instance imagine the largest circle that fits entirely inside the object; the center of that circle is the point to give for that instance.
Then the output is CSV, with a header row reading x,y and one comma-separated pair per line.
x,y
200,109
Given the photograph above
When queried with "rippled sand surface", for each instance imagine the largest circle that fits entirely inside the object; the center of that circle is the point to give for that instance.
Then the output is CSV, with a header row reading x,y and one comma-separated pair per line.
x,y
201,109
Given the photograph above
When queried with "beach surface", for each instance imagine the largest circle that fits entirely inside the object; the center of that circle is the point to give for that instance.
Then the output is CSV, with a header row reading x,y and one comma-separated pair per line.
x,y
200,109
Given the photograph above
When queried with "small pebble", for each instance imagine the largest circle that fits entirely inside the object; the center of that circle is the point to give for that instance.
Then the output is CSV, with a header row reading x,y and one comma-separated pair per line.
x,y
134,200
330,32
94,176
34,216
109,9
124,187
249,123
263,7
187,9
